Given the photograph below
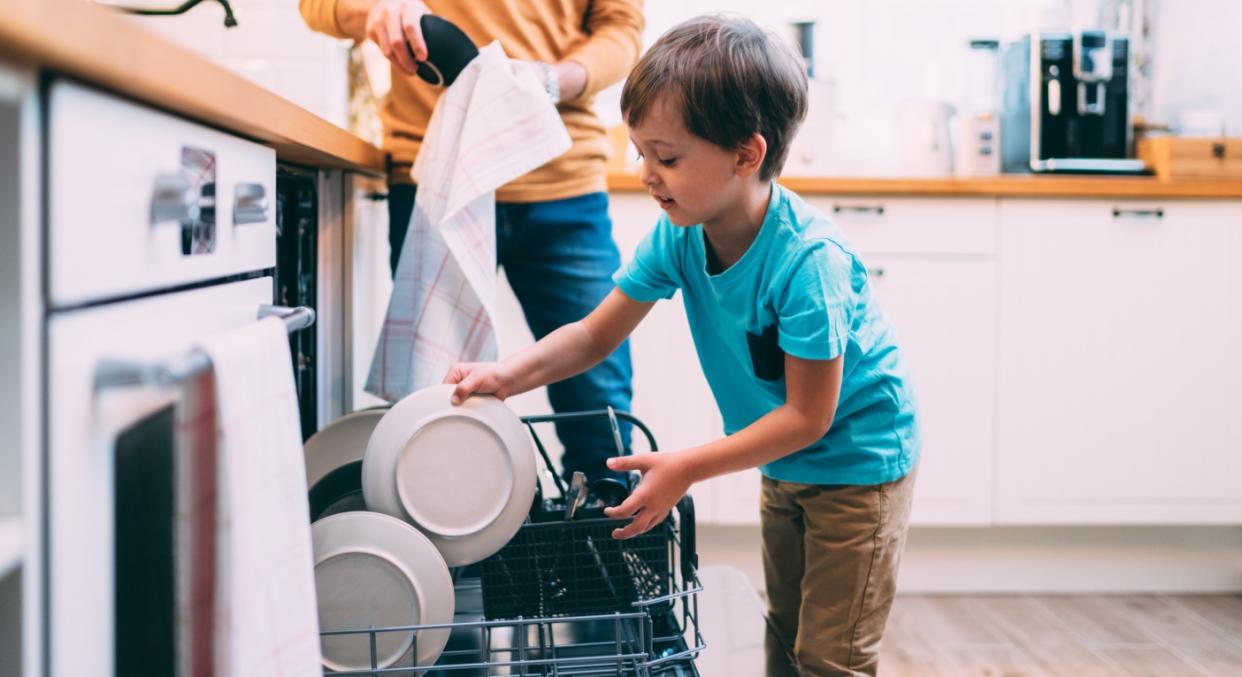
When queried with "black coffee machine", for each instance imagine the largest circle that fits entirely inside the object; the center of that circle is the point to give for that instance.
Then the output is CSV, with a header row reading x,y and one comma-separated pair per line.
x,y
1066,105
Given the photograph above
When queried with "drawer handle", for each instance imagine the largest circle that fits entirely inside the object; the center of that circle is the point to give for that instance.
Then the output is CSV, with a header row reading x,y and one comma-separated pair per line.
x,y
173,199
249,203
1157,213
878,210
875,272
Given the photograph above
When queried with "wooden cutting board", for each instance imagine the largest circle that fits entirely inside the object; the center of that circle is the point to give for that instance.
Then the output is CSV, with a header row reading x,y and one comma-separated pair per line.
x,y
1181,158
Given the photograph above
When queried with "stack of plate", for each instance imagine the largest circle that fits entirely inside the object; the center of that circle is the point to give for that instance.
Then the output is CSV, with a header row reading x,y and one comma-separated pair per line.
x,y
397,496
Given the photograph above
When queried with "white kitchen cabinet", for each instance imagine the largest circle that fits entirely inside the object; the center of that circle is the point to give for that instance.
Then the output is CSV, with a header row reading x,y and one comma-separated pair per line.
x,y
370,282
21,363
671,394
944,312
940,293
934,226
1120,324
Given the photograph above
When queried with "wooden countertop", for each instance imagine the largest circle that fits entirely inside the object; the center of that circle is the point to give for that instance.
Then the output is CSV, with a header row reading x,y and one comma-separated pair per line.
x,y
1008,185
97,45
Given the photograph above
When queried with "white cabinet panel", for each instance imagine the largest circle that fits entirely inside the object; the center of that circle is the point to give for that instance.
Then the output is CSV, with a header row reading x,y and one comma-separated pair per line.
x,y
944,311
1119,331
894,225
671,394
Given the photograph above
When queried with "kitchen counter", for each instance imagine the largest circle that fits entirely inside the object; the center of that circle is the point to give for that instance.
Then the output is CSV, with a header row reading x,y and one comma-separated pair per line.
x,y
99,46
1009,185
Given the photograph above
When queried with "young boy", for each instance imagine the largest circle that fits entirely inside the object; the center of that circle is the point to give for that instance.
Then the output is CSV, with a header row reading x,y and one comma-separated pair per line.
x,y
801,361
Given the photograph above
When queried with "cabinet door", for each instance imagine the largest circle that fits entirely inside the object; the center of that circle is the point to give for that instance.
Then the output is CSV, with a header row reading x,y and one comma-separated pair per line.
x,y
944,312
1120,331
671,394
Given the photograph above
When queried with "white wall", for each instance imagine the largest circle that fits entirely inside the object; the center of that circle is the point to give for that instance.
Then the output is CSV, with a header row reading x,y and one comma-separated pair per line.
x,y
874,53
1197,59
270,45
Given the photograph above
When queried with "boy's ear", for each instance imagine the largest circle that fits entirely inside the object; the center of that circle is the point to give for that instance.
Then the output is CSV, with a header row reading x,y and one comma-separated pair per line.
x,y
750,155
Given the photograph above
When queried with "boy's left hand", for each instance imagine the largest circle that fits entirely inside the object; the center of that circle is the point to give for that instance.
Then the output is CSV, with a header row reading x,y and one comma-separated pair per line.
x,y
666,478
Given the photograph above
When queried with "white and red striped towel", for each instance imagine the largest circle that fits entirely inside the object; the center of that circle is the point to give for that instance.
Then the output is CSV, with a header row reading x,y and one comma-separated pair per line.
x,y
490,127
267,620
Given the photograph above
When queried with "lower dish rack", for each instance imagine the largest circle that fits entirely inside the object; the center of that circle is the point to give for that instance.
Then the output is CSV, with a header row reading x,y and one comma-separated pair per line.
x,y
563,598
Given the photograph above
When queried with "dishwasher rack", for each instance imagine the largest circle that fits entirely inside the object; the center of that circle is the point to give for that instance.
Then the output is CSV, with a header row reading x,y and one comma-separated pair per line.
x,y
657,634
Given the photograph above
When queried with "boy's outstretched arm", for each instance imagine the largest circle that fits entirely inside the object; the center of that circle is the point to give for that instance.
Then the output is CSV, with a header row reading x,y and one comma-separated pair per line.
x,y
812,388
567,351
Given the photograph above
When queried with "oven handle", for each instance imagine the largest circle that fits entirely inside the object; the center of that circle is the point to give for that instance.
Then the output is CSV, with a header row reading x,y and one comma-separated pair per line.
x,y
121,373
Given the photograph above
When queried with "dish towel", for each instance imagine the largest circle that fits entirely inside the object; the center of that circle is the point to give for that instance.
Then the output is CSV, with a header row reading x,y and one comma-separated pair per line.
x,y
490,127
197,470
267,619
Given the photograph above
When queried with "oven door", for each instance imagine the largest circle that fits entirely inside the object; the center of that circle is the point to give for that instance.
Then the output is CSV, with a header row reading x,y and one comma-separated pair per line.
x,y
130,560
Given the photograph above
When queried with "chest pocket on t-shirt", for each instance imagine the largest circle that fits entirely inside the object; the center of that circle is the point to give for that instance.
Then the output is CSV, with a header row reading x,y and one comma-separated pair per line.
x,y
766,356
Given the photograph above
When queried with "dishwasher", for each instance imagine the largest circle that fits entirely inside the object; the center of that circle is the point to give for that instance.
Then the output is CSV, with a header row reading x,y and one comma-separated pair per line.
x,y
564,598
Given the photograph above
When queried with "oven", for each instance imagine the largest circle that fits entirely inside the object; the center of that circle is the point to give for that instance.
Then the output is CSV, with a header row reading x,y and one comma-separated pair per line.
x,y
159,232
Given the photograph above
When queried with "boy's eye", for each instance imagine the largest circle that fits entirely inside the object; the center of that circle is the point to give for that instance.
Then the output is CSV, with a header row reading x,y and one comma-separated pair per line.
x,y
667,163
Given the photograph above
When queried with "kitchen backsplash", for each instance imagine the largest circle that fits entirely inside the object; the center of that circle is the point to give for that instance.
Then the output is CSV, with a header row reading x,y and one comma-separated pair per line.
x,y
872,55
271,46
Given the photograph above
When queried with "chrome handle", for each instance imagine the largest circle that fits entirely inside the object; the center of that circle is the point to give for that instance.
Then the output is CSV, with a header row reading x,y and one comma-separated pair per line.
x,y
249,203
295,319
110,373
1157,213
173,199
878,210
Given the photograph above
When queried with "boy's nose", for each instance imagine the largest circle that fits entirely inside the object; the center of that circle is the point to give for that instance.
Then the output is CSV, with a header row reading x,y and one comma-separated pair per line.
x,y
646,176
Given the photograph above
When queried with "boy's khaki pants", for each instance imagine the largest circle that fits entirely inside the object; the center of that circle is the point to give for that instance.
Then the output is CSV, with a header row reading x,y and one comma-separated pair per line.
x,y
830,557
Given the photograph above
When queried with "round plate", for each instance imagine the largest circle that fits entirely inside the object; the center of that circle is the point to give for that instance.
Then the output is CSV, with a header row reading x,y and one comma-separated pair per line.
x,y
464,475
372,570
339,443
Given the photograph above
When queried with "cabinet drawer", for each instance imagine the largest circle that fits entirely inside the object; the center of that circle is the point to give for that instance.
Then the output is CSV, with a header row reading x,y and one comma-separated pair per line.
x,y
895,225
140,200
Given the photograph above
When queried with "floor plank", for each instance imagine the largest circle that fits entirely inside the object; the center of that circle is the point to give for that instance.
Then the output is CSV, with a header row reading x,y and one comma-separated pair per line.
x,y
1222,612
1080,635
1158,617
1050,645
1092,619
1216,660
1151,661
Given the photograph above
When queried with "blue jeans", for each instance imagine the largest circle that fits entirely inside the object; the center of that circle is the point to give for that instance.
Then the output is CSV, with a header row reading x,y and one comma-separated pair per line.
x,y
559,257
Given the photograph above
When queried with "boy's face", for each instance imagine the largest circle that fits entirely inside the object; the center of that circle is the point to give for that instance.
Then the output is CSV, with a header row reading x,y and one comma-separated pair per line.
x,y
688,176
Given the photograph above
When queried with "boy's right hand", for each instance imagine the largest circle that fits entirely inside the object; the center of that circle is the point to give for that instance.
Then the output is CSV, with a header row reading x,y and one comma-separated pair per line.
x,y
488,378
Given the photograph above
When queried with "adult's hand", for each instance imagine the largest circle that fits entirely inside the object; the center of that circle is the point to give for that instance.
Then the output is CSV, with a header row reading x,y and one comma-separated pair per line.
x,y
393,25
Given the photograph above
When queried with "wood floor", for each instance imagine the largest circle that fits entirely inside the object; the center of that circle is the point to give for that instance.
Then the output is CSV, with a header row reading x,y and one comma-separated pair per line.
x,y
1079,635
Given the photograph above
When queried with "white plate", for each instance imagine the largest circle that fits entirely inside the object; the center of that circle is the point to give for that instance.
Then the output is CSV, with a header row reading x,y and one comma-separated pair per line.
x,y
341,442
375,570
464,475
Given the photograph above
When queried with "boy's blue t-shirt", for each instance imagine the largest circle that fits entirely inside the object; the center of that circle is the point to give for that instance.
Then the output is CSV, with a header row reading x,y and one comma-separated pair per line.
x,y
799,289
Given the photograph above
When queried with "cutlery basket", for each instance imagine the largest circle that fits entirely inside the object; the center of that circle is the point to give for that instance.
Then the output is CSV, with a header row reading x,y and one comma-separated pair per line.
x,y
555,567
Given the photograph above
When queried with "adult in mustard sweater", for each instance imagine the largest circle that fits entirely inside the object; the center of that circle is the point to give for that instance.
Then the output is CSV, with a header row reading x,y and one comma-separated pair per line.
x,y
553,232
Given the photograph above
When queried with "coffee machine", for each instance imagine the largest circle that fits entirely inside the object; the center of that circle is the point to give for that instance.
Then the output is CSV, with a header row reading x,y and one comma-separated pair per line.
x,y
1066,104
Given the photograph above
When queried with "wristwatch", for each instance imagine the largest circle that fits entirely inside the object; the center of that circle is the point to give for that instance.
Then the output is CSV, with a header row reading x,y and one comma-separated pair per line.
x,y
551,81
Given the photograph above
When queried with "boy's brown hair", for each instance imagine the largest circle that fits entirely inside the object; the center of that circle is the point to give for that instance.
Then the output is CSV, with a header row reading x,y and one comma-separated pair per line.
x,y
730,79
